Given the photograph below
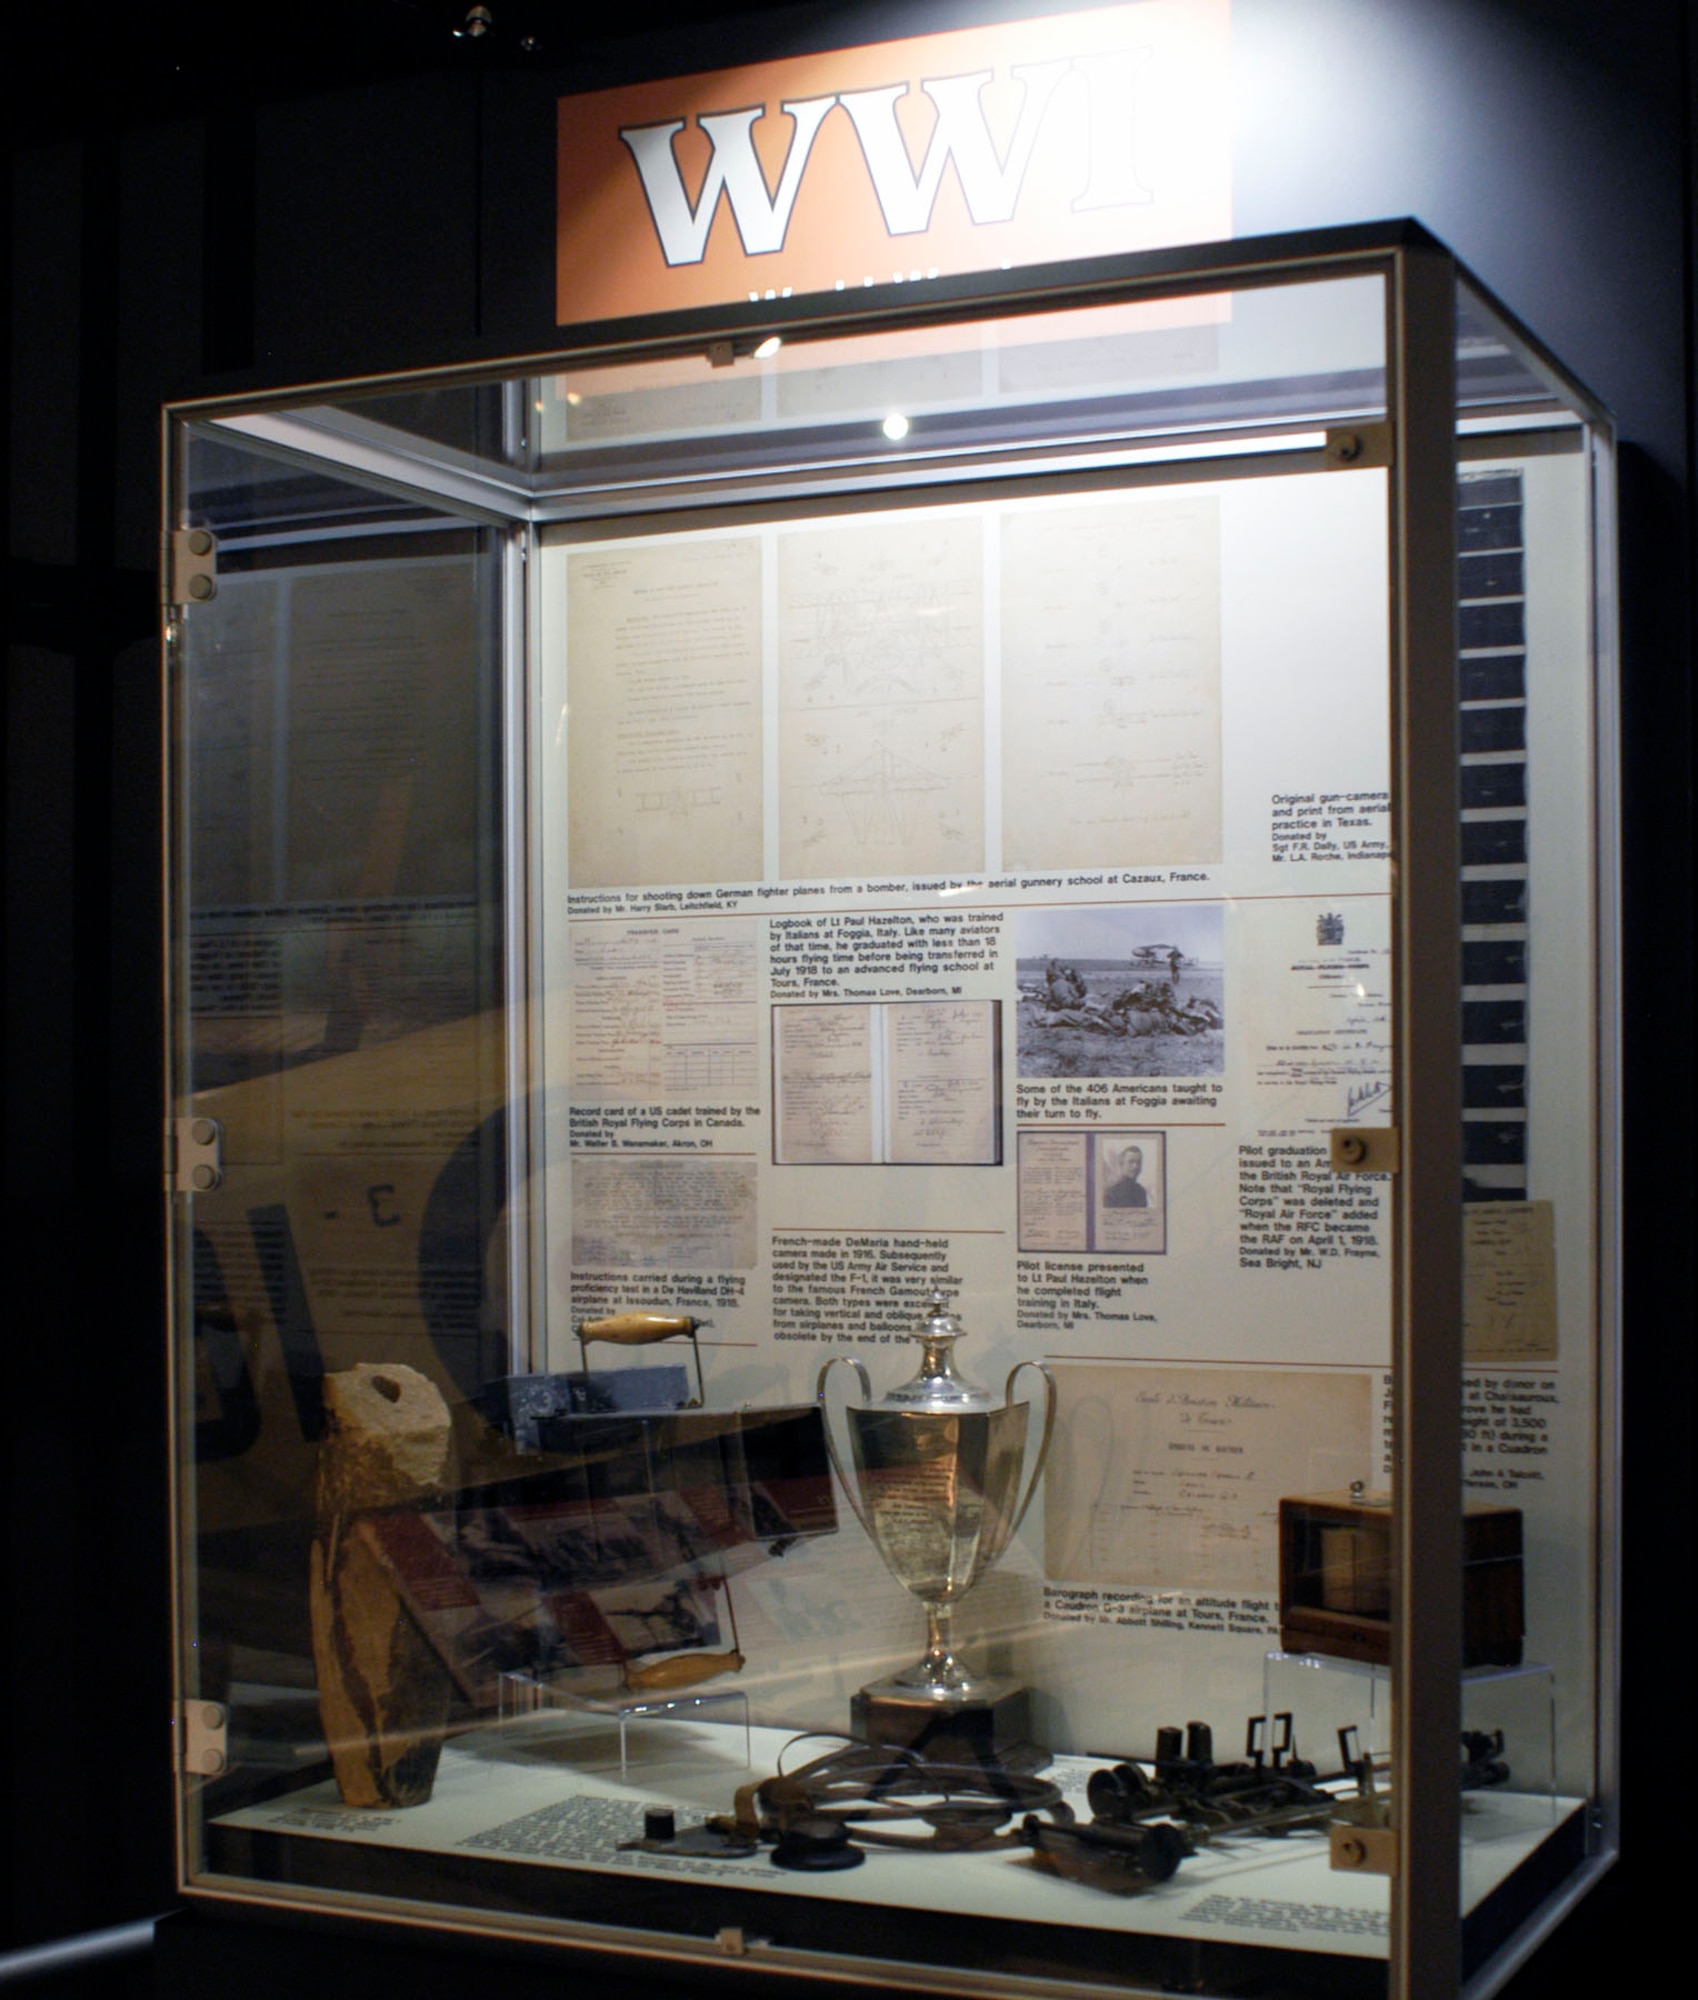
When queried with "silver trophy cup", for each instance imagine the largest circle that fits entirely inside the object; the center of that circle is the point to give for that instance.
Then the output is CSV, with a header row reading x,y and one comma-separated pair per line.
x,y
937,1474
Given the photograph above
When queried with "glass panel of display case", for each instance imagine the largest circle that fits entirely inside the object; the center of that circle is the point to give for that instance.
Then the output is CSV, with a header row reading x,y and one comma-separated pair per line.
x,y
963,399
1535,696
1252,360
339,1067
778,1349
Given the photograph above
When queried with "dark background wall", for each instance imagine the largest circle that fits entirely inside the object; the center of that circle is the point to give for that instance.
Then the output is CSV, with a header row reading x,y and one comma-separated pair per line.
x,y
288,192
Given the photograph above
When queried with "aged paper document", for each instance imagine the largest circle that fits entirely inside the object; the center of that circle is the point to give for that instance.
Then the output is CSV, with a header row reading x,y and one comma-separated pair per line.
x,y
664,713
912,1083
1170,1478
1094,1191
646,1212
942,1066
1111,684
1509,1281
664,1011
881,698
1318,1013
822,1060
1055,1191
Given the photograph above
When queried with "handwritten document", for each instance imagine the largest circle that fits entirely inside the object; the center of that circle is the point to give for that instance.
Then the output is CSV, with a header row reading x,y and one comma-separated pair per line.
x,y
908,1083
881,698
664,713
1509,1281
632,1212
1111,684
822,1059
942,1064
1170,1478
664,1011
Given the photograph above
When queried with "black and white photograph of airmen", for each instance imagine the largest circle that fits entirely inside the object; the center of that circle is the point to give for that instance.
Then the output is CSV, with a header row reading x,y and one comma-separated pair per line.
x,y
1122,990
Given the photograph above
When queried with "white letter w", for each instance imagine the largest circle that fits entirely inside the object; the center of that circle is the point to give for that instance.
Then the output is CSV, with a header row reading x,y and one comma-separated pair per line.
x,y
762,218
992,186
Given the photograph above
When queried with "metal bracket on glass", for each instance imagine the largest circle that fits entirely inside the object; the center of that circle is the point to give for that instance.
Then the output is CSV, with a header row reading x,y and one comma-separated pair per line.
x,y
194,1155
1364,1850
192,571
202,1739
1365,1149
1348,450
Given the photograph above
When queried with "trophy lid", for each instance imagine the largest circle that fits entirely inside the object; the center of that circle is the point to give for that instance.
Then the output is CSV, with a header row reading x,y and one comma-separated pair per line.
x,y
937,1384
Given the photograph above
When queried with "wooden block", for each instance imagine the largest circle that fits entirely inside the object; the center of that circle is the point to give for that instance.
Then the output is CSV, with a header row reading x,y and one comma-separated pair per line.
x,y
1335,1579
383,1693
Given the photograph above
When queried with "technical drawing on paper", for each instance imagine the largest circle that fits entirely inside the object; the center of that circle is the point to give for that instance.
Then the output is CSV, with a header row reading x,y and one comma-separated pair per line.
x,y
875,795
881,706
1111,683
679,800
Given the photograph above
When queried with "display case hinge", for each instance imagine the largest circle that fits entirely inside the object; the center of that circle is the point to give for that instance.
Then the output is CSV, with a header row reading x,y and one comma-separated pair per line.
x,y
203,1747
1364,1850
191,569
1350,448
194,1155
1365,1149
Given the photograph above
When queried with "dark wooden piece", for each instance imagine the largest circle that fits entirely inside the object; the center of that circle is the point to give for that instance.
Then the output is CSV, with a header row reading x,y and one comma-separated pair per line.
x,y
1335,1579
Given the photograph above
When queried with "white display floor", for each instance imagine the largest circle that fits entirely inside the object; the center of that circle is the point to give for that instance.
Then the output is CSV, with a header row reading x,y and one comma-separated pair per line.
x,y
545,1789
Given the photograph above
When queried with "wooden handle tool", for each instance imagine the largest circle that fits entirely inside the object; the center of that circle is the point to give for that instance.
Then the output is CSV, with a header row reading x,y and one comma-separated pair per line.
x,y
644,1329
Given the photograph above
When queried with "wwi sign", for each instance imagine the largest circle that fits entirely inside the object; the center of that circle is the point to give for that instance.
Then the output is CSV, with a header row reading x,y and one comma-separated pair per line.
x,y
1081,135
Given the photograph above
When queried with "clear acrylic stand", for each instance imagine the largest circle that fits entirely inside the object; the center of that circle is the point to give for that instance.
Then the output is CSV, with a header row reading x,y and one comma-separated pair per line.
x,y
522,1695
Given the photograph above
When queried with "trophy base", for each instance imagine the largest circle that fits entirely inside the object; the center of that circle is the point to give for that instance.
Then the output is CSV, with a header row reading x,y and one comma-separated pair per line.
x,y
992,1727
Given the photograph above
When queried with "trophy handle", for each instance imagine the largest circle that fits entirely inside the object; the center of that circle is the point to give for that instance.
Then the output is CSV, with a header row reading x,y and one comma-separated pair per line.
x,y
1043,1444
839,1466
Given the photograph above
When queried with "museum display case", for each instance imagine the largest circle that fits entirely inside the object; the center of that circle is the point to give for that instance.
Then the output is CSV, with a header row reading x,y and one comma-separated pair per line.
x,y
892,1162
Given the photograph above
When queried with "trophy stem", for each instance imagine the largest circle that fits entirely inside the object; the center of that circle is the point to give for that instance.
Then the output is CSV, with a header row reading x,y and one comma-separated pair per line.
x,y
939,1669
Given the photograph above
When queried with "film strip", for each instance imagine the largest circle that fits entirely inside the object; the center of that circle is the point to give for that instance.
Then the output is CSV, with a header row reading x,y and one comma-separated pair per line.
x,y
1492,693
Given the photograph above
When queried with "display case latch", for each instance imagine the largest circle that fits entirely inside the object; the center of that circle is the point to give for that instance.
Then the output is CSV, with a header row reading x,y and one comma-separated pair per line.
x,y
1356,447
1365,1149
194,1155
1364,1850
193,568
202,1738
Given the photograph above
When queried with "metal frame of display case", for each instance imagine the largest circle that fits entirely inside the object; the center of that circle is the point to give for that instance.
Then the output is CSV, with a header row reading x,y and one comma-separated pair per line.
x,y
1422,281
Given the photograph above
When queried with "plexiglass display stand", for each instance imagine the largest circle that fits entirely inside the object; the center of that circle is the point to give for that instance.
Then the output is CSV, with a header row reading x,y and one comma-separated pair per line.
x,y
657,841
725,1715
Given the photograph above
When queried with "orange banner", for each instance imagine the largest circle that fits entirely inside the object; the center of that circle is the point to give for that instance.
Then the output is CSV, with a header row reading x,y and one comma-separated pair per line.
x,y
1080,135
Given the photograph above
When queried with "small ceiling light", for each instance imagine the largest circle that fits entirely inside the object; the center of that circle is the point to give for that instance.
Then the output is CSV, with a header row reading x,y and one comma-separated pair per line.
x,y
896,427
769,347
